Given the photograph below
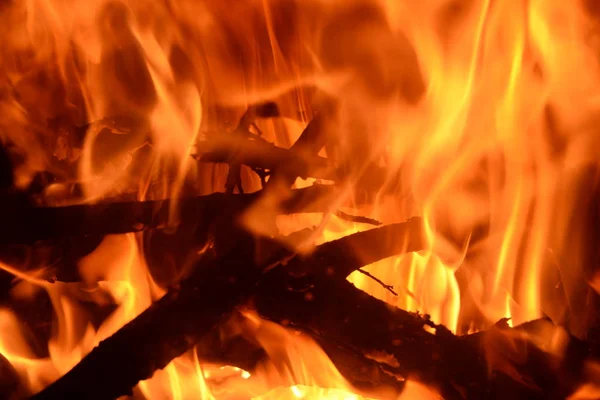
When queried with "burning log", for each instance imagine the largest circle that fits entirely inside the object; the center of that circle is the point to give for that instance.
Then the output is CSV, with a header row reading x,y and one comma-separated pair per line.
x,y
234,343
259,154
310,294
27,224
360,370
241,132
332,261
457,366
282,165
310,142
164,331
236,148
185,314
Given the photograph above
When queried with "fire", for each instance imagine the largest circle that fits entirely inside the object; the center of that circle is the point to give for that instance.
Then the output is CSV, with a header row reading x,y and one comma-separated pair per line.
x,y
122,280
482,114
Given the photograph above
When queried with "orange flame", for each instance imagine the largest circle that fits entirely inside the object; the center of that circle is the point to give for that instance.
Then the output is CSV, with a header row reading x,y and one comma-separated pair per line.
x,y
481,115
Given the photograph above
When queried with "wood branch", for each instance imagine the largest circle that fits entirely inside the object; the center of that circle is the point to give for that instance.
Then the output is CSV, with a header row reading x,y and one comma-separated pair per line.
x,y
236,148
362,372
333,311
457,366
23,223
164,331
310,142
177,321
242,132
257,153
356,218
339,258
234,343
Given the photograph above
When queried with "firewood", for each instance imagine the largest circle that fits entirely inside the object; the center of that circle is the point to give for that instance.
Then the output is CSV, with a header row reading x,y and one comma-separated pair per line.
x,y
311,141
234,344
362,372
234,179
235,148
260,154
456,366
24,223
164,331
297,294
339,258
177,321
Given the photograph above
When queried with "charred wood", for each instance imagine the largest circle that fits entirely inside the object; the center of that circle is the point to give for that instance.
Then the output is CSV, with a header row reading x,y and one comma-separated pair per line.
x,y
311,294
183,316
235,148
258,153
164,331
234,343
24,223
242,132
459,367
339,258
310,142
302,162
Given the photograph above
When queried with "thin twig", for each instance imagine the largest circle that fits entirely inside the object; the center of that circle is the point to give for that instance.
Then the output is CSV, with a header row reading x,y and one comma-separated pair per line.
x,y
385,286
356,218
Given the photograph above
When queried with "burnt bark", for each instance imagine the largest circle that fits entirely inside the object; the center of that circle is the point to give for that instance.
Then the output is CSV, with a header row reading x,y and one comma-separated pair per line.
x,y
184,315
234,343
301,162
311,294
458,366
24,223
164,331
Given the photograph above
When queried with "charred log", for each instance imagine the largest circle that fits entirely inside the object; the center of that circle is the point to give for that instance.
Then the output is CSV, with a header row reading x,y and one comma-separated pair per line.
x,y
311,294
494,364
339,258
182,317
242,132
258,153
24,223
302,162
234,344
310,142
164,331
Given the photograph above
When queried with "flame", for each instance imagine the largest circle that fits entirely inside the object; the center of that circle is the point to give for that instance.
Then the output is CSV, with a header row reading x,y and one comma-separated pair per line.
x,y
124,280
481,115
